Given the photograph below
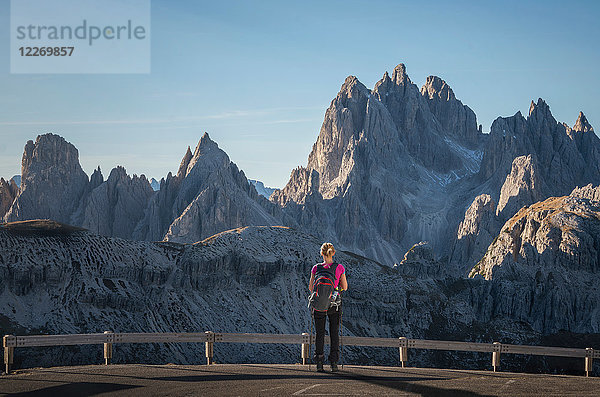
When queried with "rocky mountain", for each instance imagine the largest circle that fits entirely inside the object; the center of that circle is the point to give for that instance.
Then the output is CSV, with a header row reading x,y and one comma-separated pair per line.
x,y
551,160
8,192
388,168
392,166
261,188
115,206
396,165
209,194
548,258
457,119
475,232
60,279
53,182
401,179
562,161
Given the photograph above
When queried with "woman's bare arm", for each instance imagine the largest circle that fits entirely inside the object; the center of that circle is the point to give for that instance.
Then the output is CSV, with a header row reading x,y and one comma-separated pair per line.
x,y
343,282
310,283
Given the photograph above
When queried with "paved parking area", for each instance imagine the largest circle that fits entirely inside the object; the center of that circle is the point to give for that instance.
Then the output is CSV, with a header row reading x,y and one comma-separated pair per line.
x,y
284,380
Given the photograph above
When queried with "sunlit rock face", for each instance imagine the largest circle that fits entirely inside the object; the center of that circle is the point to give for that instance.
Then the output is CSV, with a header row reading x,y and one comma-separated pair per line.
x,y
546,261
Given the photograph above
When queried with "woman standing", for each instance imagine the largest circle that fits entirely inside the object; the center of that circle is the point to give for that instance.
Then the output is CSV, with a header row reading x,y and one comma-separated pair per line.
x,y
338,273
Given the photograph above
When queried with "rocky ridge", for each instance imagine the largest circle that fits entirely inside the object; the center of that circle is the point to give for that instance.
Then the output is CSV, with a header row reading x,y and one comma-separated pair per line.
x,y
261,188
392,166
228,283
546,259
208,195
370,184
534,158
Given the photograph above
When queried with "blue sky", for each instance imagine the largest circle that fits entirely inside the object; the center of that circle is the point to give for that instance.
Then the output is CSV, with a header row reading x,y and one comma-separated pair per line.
x,y
259,75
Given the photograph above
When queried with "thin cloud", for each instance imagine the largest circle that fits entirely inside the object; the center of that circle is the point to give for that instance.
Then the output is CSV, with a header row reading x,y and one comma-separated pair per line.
x,y
290,121
233,114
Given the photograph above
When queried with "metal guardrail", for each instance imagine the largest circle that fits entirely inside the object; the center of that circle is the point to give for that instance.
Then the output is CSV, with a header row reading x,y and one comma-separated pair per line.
x,y
108,338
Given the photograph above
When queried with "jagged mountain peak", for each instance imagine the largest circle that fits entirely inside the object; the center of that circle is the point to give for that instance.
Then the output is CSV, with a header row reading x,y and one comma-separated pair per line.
x,y
185,161
207,153
352,88
204,145
119,172
96,179
205,139
52,180
436,87
540,111
400,75
582,124
49,150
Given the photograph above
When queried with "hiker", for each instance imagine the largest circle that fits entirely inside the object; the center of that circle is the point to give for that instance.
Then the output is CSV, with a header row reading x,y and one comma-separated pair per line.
x,y
328,280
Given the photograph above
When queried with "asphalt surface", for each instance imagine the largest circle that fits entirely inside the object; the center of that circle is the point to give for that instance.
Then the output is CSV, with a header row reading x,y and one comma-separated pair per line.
x,y
284,380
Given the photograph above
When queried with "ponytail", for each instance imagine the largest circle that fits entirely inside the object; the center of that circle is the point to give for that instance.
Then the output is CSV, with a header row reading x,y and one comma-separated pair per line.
x,y
327,250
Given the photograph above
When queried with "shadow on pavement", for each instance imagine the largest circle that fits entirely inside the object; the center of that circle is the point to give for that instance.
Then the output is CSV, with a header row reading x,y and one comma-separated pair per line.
x,y
243,377
82,389
404,384
400,383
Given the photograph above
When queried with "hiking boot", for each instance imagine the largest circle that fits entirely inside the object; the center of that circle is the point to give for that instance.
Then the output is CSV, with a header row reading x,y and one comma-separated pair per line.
x,y
320,366
334,367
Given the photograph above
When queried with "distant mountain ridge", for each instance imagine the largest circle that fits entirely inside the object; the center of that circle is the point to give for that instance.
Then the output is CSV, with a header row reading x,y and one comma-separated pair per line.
x,y
397,165
154,184
391,167
191,202
261,188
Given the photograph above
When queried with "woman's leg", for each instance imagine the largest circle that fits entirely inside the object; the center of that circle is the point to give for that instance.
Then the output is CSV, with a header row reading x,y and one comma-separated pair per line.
x,y
320,318
334,333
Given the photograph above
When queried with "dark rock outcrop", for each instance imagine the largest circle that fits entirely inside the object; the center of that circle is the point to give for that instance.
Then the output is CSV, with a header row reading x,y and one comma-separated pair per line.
x,y
8,192
420,261
114,207
52,183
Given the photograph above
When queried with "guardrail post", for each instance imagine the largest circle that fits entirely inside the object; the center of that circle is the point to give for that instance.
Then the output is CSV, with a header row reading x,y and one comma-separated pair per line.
x,y
403,350
9,352
496,355
108,350
305,348
209,347
589,357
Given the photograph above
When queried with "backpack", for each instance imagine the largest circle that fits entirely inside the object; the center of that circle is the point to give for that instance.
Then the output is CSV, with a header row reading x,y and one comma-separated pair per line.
x,y
320,299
